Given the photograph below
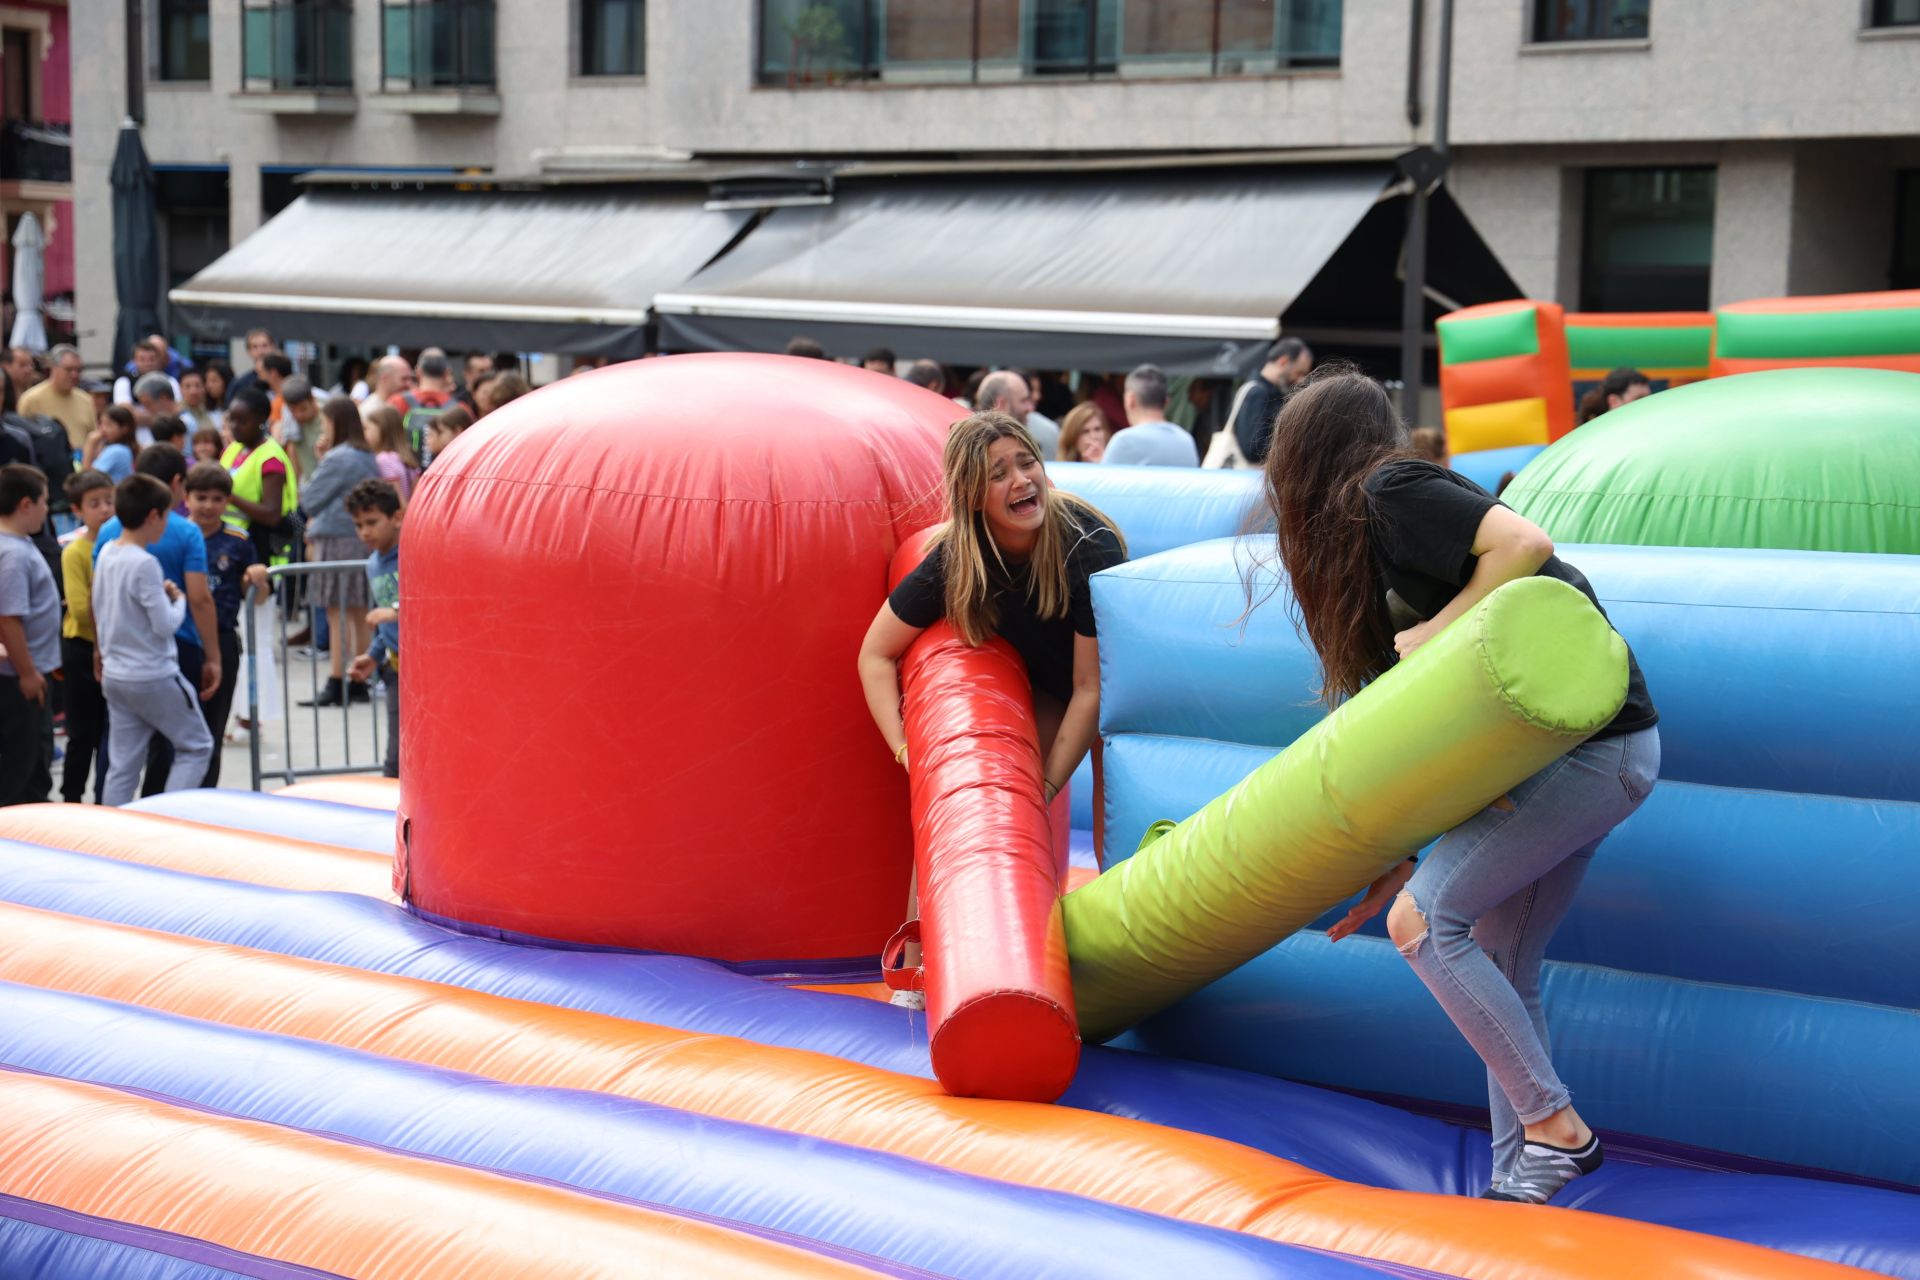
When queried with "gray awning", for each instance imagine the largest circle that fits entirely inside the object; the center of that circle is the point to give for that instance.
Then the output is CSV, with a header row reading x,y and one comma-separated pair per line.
x,y
1189,269
557,270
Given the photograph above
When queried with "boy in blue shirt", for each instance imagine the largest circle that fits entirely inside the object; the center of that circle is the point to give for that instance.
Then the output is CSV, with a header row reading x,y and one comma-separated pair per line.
x,y
182,554
375,508
231,570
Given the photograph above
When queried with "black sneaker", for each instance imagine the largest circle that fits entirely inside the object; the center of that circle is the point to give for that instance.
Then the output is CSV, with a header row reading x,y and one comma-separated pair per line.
x,y
1542,1169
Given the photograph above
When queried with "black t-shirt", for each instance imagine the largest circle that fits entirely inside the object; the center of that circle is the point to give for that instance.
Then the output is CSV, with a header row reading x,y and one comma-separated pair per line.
x,y
1422,522
1044,644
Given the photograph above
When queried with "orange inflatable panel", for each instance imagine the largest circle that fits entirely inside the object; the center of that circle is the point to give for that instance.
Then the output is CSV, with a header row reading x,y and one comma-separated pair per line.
x,y
1178,1174
341,1208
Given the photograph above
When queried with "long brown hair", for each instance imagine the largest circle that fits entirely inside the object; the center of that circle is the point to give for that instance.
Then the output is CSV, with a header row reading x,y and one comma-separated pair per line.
x,y
389,434
1075,425
344,426
974,566
1334,432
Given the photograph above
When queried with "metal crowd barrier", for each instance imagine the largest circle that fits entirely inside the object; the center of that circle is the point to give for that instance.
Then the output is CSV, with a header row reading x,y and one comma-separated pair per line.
x,y
289,582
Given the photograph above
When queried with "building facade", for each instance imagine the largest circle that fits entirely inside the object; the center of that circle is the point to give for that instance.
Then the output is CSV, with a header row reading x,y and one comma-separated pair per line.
x,y
1616,154
35,151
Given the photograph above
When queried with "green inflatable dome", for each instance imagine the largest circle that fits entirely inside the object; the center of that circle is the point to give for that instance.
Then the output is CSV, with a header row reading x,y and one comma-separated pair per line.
x,y
1814,459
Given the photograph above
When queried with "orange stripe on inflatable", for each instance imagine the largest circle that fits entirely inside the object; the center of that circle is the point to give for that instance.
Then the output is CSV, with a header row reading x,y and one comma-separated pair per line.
x,y
1555,365
218,852
862,990
1491,381
367,792
1887,300
342,1209
1639,320
1127,1162
1674,377
1910,363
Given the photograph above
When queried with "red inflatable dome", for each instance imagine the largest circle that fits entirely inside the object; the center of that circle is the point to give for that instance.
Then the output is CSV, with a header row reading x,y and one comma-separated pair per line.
x,y
631,604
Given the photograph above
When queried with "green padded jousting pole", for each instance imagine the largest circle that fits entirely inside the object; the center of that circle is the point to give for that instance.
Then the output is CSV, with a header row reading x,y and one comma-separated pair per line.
x,y
1530,673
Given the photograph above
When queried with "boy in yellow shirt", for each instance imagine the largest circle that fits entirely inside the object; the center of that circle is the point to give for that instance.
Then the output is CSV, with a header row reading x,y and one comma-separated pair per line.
x,y
90,494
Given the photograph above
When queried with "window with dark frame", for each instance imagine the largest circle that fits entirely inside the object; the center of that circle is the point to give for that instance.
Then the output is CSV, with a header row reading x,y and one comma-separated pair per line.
x,y
430,45
828,42
1557,20
296,45
182,41
1895,13
1647,243
1906,232
613,38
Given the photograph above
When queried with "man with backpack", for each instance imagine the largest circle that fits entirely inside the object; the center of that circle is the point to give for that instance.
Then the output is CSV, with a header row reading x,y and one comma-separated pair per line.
x,y
1249,430
431,395
61,398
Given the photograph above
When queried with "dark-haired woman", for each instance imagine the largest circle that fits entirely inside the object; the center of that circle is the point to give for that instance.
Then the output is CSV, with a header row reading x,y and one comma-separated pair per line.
x,y
1385,550
1013,559
1623,386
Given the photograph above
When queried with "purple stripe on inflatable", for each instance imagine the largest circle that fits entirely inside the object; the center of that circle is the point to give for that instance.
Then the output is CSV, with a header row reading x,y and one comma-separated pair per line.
x,y
153,1240
785,972
867,1261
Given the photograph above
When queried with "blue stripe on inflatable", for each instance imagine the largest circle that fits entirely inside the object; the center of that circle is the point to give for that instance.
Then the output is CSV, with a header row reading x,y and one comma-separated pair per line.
x,y
1157,508
1485,466
1346,1137
1791,870
737,1174
1779,670
1824,1084
1343,1136
42,1242
346,825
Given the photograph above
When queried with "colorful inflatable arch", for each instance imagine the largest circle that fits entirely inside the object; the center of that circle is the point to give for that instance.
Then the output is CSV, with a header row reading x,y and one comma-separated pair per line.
x,y
233,1043
1504,375
1852,330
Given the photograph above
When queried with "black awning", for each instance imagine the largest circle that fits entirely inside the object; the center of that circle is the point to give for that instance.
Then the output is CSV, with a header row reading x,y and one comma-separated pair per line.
x,y
562,270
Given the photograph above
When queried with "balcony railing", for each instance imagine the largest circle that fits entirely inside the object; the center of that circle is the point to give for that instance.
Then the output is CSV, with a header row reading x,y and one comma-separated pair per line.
x,y
31,152
297,46
436,44
814,42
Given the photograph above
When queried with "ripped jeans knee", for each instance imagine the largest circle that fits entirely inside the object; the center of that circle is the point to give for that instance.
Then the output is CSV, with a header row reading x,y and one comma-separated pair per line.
x,y
1406,924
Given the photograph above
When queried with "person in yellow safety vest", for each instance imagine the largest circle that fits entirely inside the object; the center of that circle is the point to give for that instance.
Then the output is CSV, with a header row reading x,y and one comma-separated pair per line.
x,y
265,487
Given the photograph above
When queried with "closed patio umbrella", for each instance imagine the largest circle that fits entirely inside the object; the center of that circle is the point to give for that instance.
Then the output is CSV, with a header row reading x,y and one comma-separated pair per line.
x,y
136,244
29,284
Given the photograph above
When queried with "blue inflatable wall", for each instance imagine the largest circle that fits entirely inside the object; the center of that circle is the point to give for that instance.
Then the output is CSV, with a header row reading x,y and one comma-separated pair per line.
x,y
1742,968
1157,509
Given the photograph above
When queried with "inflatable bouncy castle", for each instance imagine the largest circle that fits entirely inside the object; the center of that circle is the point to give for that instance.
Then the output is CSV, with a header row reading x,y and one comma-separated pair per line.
x,y
592,991
1671,347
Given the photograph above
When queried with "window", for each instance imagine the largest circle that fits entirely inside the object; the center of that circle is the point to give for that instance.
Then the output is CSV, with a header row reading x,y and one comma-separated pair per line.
x,y
1648,244
293,45
808,42
182,44
1895,13
17,76
1590,19
1906,232
613,37
436,44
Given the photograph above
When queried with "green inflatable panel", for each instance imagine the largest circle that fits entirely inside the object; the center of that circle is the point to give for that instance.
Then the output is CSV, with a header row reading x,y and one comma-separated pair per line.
x,y
1523,678
1818,459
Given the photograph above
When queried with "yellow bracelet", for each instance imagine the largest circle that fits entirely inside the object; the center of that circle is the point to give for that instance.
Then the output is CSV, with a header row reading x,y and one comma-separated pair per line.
x,y
899,756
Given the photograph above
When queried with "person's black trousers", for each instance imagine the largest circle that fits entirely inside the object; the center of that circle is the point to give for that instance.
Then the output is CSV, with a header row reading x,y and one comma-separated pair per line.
x,y
159,750
86,720
217,707
391,769
26,734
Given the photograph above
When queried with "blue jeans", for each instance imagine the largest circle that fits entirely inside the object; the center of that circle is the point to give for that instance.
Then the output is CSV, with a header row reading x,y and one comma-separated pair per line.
x,y
1493,890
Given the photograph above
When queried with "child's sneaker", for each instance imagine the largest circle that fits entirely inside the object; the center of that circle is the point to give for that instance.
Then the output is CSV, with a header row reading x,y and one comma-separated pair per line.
x,y
1542,1169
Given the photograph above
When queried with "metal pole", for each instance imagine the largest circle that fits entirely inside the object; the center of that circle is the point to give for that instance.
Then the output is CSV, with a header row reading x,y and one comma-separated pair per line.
x,y
1416,45
136,70
1413,299
253,689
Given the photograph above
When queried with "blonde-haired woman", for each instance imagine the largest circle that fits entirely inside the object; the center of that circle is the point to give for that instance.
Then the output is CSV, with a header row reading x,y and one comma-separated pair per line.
x,y
1012,560
1084,434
